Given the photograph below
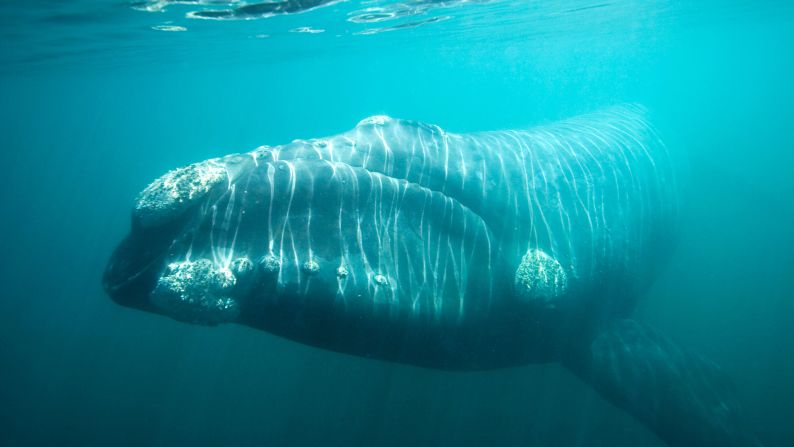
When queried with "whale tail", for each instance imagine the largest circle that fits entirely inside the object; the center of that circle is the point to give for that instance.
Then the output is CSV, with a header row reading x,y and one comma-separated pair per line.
x,y
685,399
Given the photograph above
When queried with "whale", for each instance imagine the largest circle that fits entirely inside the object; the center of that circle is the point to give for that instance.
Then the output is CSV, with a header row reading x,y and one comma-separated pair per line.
x,y
400,241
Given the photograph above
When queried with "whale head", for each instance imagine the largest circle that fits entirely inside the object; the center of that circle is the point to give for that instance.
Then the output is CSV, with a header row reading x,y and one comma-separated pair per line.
x,y
357,226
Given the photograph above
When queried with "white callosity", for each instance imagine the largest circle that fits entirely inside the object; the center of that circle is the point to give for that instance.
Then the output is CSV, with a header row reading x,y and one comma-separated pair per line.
x,y
270,263
198,292
381,280
311,267
540,277
168,196
242,267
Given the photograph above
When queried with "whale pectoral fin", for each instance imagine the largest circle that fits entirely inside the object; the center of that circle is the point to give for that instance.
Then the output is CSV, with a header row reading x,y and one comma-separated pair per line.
x,y
685,399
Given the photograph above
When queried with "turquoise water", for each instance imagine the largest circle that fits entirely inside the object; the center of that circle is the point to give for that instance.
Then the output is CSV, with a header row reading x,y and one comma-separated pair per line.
x,y
100,97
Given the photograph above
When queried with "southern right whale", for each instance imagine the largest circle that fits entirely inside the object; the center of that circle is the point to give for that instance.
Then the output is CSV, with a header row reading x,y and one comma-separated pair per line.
x,y
400,241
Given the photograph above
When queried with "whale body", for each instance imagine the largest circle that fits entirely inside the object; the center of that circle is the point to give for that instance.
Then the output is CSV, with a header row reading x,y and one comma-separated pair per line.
x,y
400,241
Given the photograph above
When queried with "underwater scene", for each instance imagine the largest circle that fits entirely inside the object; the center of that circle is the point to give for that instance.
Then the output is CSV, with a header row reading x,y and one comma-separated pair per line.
x,y
397,223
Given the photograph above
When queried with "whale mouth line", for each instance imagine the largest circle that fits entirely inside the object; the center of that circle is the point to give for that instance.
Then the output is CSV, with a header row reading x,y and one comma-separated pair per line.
x,y
112,287
404,182
404,185
343,172
409,183
133,268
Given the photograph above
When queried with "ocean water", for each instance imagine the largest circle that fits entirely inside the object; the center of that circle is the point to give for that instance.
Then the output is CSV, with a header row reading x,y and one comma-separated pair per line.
x,y
101,97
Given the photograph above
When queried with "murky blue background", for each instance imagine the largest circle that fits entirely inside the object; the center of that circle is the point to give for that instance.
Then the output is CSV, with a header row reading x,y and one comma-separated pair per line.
x,y
98,99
